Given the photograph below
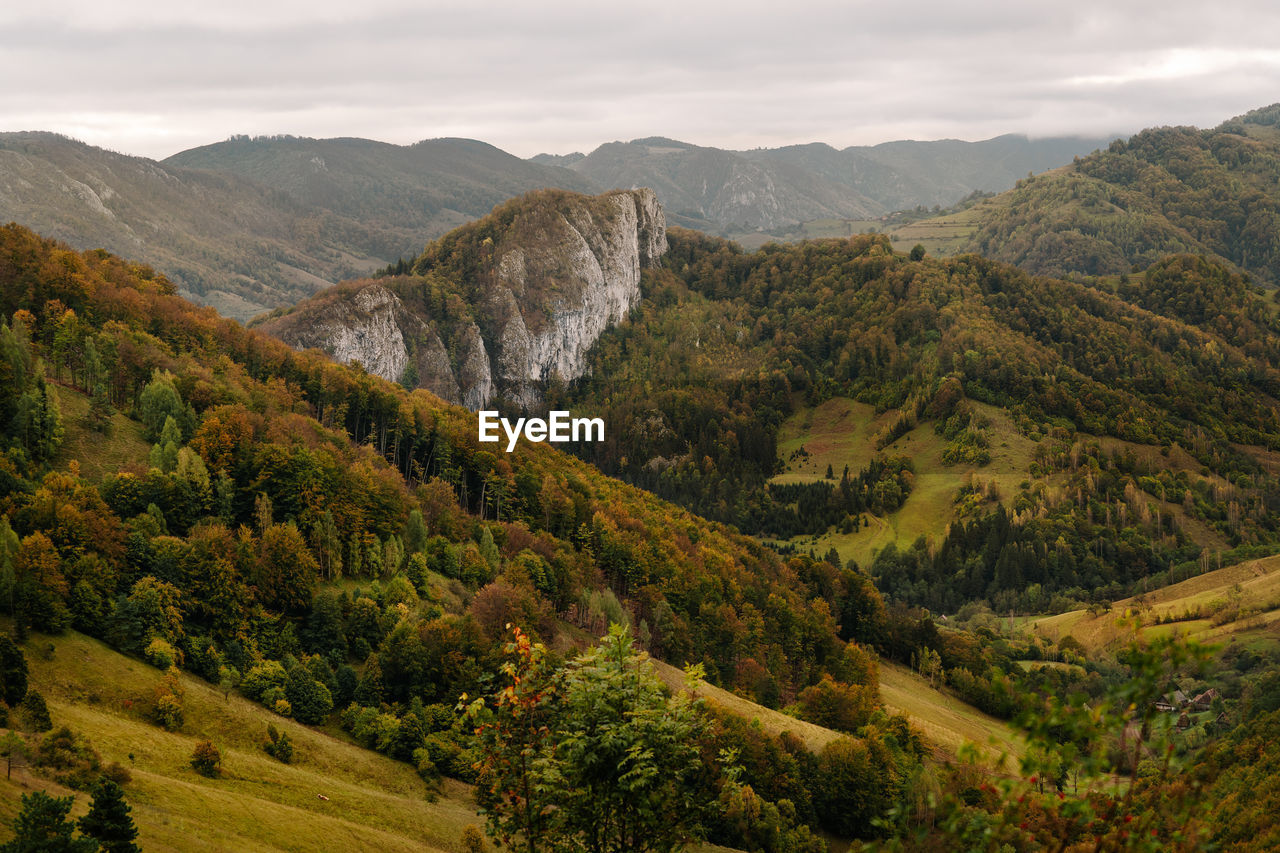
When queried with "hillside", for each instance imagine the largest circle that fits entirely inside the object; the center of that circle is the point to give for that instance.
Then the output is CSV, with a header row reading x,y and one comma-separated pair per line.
x,y
1165,190
348,555
250,225
351,556
258,804
1237,604
496,309
1025,408
736,193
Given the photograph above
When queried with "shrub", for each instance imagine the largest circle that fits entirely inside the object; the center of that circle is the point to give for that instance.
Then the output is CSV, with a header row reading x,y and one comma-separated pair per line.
x,y
278,745
160,654
207,760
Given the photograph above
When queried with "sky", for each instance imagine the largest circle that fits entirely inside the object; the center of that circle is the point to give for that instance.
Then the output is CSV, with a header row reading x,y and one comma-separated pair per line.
x,y
154,78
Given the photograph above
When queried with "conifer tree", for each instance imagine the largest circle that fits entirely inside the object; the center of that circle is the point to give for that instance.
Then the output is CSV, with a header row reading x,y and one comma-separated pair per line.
x,y
42,827
109,821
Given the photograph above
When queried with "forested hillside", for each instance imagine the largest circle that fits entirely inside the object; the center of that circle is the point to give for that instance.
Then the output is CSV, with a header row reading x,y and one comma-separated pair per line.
x,y
1165,190
345,553
1147,412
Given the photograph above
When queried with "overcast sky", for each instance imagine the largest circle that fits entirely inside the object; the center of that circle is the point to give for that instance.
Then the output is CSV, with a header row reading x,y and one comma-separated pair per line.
x,y
153,78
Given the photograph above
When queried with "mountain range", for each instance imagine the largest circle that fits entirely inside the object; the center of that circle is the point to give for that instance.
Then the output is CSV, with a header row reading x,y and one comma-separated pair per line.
x,y
728,192
251,224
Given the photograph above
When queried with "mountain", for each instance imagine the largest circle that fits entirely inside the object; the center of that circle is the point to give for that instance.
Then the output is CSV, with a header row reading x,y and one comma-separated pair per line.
x,y
504,305
410,193
1165,190
715,189
906,174
765,189
276,221
344,553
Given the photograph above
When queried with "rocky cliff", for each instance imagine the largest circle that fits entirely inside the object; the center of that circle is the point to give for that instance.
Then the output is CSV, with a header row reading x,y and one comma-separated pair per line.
x,y
495,309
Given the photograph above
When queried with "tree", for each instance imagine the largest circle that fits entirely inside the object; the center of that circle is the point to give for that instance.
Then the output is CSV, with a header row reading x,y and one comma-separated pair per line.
x,y
206,759
36,712
13,748
13,672
42,827
278,745
159,401
310,700
595,758
108,820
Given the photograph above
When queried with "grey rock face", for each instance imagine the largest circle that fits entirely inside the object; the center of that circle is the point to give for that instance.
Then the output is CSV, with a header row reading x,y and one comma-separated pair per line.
x,y
553,286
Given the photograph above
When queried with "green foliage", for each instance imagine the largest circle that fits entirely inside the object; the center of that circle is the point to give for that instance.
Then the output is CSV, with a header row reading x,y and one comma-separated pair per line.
x,y
309,700
1164,191
278,745
13,671
596,758
159,402
108,821
35,712
43,826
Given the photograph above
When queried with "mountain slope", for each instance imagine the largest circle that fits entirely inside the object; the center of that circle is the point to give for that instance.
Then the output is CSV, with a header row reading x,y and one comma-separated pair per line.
x,y
266,227
497,308
1165,190
767,189
411,193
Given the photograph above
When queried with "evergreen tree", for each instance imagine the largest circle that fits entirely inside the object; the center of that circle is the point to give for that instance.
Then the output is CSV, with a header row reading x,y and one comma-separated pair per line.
x,y
595,759
415,532
13,672
43,827
108,820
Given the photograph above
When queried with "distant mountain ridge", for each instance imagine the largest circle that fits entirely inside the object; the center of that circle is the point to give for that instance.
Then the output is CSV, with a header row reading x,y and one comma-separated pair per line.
x,y
714,189
252,224
248,225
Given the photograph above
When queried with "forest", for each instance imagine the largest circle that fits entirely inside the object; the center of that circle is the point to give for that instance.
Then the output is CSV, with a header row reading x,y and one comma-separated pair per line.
x,y
346,553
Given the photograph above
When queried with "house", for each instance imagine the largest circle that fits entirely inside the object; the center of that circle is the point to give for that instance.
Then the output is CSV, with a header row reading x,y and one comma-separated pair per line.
x,y
1205,700
1164,705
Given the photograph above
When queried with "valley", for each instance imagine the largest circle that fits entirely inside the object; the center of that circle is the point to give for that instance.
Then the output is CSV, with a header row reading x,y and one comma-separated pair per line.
x,y
965,529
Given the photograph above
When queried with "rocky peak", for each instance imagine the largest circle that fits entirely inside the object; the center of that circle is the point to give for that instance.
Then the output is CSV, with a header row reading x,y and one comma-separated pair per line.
x,y
499,306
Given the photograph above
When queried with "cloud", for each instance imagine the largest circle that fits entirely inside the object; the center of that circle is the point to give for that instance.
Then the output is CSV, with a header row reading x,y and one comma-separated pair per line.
x,y
561,75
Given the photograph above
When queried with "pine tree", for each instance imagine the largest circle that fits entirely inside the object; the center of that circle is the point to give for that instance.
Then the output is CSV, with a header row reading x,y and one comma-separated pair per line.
x,y
108,820
42,827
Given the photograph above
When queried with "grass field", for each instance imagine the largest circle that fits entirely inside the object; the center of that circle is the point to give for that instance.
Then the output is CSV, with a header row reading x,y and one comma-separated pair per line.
x,y
1256,585
943,235
774,722
258,804
98,454
946,722
842,432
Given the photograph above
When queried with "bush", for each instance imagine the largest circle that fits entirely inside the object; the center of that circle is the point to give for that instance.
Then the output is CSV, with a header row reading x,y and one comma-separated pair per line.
x,y
278,745
35,712
207,760
160,654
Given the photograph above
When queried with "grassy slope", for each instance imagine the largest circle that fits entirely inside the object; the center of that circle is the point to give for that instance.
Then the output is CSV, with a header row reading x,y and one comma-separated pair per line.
x,y
842,432
258,804
946,722
941,236
98,455
1259,590
774,722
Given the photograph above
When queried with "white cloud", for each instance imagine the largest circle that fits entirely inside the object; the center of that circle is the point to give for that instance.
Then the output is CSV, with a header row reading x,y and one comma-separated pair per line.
x,y
560,75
